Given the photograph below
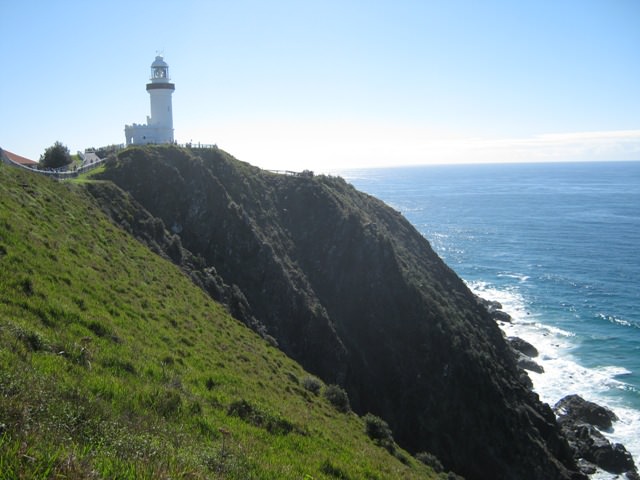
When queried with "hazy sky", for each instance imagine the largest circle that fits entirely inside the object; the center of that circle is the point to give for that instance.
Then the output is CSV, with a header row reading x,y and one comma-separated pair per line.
x,y
328,84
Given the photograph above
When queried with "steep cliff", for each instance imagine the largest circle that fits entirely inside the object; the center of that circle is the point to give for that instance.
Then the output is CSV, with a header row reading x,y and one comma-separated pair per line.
x,y
355,294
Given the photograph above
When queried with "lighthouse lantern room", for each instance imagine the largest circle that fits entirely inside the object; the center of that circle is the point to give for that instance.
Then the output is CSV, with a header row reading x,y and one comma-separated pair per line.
x,y
159,126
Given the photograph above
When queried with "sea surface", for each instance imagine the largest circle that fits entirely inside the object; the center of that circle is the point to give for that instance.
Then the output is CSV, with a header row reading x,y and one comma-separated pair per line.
x,y
559,246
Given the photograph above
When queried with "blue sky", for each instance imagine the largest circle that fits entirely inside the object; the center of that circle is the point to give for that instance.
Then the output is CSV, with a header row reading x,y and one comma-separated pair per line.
x,y
330,84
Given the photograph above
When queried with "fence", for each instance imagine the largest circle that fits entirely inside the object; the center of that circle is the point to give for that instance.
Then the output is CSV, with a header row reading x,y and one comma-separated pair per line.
x,y
56,173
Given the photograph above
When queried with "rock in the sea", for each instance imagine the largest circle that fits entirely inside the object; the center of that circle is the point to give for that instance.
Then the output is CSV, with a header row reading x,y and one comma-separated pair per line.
x,y
574,408
632,475
528,364
578,419
587,467
614,458
495,310
490,305
523,346
500,316
592,446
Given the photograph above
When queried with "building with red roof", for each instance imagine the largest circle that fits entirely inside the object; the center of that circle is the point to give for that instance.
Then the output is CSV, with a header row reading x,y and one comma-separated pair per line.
x,y
10,157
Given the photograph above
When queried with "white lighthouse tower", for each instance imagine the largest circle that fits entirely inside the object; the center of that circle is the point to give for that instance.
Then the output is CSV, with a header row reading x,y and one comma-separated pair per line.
x,y
159,127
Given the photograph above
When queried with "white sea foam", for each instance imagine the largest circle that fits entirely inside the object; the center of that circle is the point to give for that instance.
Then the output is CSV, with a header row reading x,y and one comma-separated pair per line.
x,y
521,278
563,375
617,320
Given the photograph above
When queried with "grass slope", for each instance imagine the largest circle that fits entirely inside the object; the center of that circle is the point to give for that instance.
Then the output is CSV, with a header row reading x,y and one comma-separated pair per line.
x,y
113,365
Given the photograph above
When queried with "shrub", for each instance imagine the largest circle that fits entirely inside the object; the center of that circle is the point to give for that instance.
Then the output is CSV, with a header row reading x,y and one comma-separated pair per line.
x,y
430,460
255,416
377,428
271,340
313,384
338,397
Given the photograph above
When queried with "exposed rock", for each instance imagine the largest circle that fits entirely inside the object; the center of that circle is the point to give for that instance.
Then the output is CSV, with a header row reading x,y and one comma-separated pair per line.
x,y
578,419
587,467
490,305
632,475
528,364
526,380
614,458
500,316
495,309
590,445
523,346
575,409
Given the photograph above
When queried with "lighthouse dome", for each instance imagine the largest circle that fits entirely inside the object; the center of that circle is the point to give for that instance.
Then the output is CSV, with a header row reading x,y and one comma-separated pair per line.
x,y
159,62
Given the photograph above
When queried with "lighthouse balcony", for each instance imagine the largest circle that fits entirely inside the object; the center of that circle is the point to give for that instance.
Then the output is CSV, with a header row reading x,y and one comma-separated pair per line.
x,y
160,86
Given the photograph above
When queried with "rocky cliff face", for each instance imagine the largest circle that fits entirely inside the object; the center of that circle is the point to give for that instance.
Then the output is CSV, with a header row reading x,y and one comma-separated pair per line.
x,y
354,293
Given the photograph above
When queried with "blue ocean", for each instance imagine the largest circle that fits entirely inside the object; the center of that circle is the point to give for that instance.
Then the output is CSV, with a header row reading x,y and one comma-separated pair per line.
x,y
559,246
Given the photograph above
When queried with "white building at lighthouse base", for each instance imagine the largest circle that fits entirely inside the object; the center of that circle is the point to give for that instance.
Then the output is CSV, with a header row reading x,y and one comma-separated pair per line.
x,y
141,134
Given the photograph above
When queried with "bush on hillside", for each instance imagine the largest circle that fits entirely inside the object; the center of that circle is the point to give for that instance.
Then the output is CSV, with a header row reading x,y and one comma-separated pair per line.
x,y
377,428
313,384
379,431
259,418
338,397
430,460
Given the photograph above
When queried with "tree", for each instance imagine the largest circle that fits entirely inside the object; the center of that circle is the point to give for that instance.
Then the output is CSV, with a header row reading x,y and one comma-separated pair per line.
x,y
55,156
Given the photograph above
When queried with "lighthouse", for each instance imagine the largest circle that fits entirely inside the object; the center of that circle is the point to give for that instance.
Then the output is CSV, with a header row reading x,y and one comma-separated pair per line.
x,y
159,126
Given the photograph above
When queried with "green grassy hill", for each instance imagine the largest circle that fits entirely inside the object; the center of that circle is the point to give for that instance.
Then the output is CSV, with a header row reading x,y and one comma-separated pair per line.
x,y
113,365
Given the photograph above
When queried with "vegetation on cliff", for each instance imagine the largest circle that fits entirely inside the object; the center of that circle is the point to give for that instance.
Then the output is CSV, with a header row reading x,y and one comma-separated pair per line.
x,y
112,365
